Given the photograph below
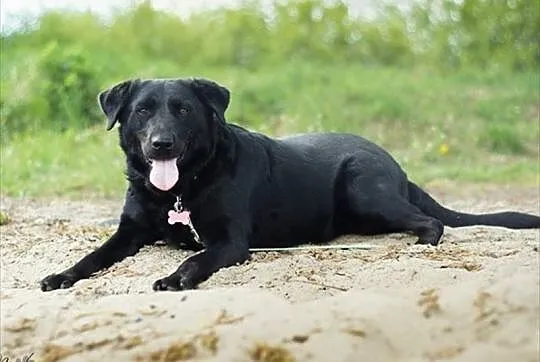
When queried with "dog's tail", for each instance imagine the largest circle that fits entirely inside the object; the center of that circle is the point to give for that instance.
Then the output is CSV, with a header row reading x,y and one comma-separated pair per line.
x,y
509,219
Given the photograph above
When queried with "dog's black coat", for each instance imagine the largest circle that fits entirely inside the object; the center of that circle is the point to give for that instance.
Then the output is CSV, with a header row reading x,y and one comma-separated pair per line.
x,y
248,190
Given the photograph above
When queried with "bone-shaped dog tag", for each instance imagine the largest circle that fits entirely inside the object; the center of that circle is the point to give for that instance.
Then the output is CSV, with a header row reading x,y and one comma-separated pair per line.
x,y
181,217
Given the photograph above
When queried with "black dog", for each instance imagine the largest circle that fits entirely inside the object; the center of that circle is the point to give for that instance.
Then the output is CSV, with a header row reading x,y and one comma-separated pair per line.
x,y
191,174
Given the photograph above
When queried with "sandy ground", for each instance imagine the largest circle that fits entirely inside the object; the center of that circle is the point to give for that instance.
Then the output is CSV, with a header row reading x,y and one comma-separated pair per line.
x,y
473,298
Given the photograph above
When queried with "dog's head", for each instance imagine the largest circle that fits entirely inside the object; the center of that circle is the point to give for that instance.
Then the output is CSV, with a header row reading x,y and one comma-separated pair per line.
x,y
167,126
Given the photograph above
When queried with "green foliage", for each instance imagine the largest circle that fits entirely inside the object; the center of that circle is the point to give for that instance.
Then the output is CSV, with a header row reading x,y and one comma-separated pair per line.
x,y
68,86
57,91
444,34
500,34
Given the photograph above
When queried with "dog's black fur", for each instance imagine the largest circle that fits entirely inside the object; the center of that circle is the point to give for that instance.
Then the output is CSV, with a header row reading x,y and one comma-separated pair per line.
x,y
248,190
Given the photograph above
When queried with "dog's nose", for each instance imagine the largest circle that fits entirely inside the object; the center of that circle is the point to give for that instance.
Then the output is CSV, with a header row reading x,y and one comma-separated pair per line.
x,y
162,143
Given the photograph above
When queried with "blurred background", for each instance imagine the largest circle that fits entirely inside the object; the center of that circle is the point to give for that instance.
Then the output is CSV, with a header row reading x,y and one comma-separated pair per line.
x,y
451,88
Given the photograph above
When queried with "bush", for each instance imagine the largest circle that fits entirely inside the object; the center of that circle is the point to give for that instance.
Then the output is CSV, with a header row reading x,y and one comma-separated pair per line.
x,y
56,91
69,83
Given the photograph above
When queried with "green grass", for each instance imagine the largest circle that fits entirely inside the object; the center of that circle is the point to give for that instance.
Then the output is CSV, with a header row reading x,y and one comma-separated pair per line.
x,y
466,127
75,163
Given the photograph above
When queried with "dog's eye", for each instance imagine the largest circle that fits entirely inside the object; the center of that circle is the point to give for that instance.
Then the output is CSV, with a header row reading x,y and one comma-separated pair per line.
x,y
183,111
141,111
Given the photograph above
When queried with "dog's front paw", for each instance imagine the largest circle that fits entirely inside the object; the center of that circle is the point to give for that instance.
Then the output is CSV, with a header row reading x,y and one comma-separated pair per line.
x,y
57,281
173,282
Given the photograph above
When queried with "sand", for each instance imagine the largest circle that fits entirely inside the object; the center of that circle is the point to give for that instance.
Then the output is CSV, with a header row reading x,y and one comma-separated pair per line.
x,y
473,298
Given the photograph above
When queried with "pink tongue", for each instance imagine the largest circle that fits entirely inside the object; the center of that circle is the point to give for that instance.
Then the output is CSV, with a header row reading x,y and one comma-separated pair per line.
x,y
164,174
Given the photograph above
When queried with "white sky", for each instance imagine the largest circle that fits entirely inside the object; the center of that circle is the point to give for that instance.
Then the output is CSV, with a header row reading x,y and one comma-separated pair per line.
x,y
13,11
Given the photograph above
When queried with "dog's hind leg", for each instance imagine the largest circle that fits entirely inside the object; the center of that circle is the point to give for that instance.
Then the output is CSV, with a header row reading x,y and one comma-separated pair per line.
x,y
385,210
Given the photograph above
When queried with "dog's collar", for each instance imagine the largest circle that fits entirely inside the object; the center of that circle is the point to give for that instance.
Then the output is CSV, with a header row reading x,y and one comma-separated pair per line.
x,y
179,214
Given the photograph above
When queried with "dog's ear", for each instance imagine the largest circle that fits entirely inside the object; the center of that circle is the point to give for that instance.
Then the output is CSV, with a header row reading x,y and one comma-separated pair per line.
x,y
114,99
213,95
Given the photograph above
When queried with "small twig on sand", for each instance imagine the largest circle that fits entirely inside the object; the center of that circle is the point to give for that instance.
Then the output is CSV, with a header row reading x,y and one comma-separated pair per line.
x,y
319,247
341,289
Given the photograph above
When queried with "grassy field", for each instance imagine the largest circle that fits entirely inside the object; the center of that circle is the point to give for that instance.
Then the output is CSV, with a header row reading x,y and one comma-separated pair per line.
x,y
449,88
466,127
